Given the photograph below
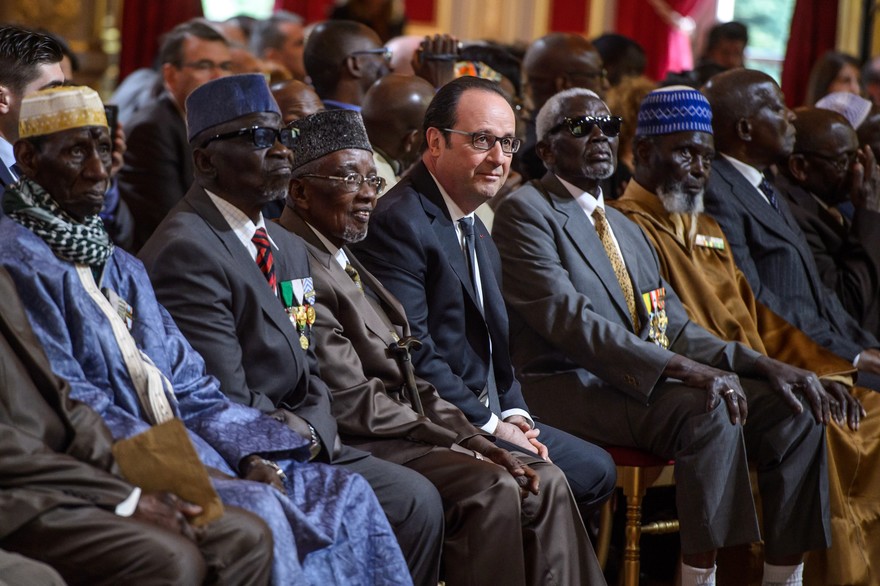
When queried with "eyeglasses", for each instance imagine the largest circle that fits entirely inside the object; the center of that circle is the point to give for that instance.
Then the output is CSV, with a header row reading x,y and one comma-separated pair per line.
x,y
483,141
353,181
384,52
583,125
207,65
841,163
263,137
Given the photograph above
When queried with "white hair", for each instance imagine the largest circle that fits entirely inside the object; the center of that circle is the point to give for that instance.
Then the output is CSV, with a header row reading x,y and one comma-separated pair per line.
x,y
551,112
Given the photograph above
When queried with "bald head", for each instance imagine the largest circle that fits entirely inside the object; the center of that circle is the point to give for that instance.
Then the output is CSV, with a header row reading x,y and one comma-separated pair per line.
x,y
296,100
814,125
341,60
393,111
750,119
560,61
825,150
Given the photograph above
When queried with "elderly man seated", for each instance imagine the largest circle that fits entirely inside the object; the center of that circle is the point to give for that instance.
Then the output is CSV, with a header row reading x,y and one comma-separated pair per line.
x,y
488,493
62,504
94,310
606,351
665,199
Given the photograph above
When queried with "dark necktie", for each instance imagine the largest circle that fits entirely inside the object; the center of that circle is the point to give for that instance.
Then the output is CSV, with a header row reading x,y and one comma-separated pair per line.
x,y
355,276
466,224
264,256
770,192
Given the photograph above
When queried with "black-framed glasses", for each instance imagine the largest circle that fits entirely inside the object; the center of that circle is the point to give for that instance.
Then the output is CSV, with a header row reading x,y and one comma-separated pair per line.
x,y
583,125
207,65
841,163
263,137
383,52
353,181
483,141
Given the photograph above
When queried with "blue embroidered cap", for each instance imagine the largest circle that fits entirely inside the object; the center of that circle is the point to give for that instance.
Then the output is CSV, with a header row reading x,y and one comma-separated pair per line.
x,y
674,109
225,99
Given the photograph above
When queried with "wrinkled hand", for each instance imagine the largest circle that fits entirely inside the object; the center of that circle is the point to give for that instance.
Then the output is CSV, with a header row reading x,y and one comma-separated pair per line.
x,y
718,384
119,148
864,186
253,468
531,435
435,59
844,407
785,379
528,479
166,510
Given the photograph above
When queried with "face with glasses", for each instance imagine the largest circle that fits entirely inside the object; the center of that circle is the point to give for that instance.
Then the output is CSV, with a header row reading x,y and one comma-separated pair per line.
x,y
582,146
372,61
337,193
246,161
824,169
201,61
469,160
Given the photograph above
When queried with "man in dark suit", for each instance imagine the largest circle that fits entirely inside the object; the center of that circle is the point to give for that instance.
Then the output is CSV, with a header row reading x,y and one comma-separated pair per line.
x,y
29,61
605,350
827,168
418,248
357,322
753,130
62,503
158,163
210,261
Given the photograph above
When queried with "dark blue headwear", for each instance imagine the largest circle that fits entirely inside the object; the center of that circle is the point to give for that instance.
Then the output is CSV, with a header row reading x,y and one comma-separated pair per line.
x,y
225,99
674,109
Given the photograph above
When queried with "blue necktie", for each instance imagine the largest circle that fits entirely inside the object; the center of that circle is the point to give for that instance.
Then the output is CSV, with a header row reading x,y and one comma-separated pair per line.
x,y
770,192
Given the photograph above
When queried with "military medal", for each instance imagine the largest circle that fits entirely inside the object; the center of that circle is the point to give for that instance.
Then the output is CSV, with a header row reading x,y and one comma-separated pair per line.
x,y
298,296
655,304
709,241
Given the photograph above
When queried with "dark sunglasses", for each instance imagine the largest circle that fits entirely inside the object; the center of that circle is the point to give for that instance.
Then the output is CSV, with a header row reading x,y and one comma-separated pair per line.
x,y
263,137
583,125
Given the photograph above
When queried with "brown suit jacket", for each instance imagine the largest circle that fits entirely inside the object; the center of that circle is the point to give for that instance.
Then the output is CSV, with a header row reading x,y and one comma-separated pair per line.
x,y
353,332
54,451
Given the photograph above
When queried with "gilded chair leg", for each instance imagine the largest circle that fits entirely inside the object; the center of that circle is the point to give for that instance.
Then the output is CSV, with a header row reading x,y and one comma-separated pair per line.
x,y
634,490
603,539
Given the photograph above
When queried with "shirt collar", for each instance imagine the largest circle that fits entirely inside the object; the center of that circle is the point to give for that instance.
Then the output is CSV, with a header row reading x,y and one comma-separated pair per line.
x,y
240,223
7,155
585,199
337,253
752,175
455,212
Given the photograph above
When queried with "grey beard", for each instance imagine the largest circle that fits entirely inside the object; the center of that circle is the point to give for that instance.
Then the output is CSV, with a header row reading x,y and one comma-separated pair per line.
x,y
351,235
603,172
676,201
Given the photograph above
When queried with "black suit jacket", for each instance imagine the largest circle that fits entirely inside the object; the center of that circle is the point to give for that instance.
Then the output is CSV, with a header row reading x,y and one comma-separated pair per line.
x,y
847,255
412,248
773,254
206,279
158,168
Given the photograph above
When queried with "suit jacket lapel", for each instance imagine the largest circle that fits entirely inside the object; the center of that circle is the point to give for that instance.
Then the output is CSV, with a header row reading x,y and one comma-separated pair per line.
x,y
6,177
391,307
244,264
435,208
584,237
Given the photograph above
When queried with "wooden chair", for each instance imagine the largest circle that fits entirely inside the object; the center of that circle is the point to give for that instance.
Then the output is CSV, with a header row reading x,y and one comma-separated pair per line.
x,y
637,471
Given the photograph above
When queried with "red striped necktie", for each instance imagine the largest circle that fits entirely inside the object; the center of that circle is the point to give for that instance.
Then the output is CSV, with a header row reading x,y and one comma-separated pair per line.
x,y
264,256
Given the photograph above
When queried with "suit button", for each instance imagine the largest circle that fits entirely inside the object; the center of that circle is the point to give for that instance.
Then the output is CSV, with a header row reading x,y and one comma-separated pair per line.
x,y
631,380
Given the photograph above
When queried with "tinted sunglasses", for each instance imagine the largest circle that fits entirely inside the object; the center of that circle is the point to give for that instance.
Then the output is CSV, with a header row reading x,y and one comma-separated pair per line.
x,y
583,125
263,137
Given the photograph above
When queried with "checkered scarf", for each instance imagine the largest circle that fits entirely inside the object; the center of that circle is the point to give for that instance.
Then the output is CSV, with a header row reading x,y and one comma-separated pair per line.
x,y
31,206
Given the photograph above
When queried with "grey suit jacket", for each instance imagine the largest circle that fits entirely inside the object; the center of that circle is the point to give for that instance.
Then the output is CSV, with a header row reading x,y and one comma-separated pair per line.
x,y
206,279
568,313
773,254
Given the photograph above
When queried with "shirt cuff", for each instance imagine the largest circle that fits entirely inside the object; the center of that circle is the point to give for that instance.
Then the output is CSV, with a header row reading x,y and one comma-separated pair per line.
x,y
127,507
511,412
489,426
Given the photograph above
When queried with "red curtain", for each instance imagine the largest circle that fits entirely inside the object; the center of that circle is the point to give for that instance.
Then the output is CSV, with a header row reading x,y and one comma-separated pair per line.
x,y
569,16
667,48
813,31
143,22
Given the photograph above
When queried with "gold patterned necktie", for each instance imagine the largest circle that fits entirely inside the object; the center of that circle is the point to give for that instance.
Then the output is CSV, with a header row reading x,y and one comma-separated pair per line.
x,y
355,276
604,232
